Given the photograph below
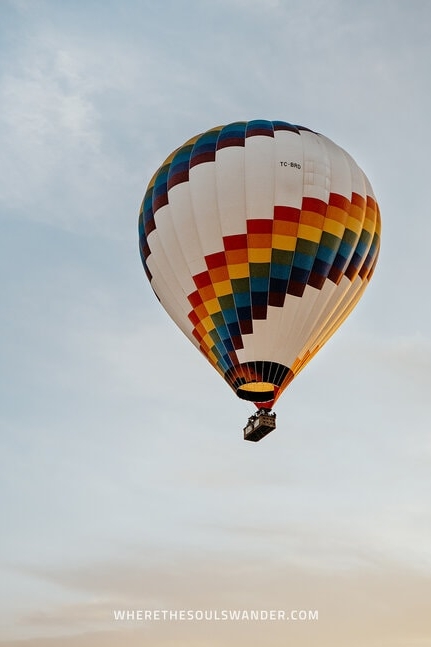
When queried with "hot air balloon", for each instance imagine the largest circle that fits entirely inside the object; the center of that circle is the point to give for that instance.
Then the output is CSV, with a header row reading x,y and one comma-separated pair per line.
x,y
259,238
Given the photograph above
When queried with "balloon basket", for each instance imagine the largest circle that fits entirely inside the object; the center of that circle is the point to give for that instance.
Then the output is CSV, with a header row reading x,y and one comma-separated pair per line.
x,y
259,425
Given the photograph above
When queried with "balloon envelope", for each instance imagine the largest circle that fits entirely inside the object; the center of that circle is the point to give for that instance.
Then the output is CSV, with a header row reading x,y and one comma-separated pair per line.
x,y
259,238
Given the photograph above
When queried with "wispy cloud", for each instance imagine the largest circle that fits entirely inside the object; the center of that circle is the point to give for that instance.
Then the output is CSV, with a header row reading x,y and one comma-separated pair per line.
x,y
377,604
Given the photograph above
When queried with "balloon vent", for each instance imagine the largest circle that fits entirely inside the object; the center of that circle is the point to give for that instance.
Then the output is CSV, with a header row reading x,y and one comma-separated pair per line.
x,y
259,425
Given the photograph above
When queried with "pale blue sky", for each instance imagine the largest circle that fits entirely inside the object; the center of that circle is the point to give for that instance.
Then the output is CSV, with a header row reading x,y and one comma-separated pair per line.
x,y
117,486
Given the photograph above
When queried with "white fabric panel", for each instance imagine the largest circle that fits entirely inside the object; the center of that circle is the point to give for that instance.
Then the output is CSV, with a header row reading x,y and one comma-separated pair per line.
x,y
368,188
288,179
317,168
259,177
181,321
334,299
186,228
260,342
167,287
203,191
316,316
282,350
359,182
346,305
278,340
170,260
340,173
229,165
305,324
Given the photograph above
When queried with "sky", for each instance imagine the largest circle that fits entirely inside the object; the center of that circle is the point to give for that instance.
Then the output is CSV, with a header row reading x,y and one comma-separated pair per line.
x,y
124,479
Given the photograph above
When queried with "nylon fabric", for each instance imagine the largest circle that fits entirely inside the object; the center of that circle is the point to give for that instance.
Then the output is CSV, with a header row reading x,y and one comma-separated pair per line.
x,y
259,238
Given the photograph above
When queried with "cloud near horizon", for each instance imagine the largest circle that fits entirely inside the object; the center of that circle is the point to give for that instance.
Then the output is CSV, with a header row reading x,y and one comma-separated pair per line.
x,y
375,603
